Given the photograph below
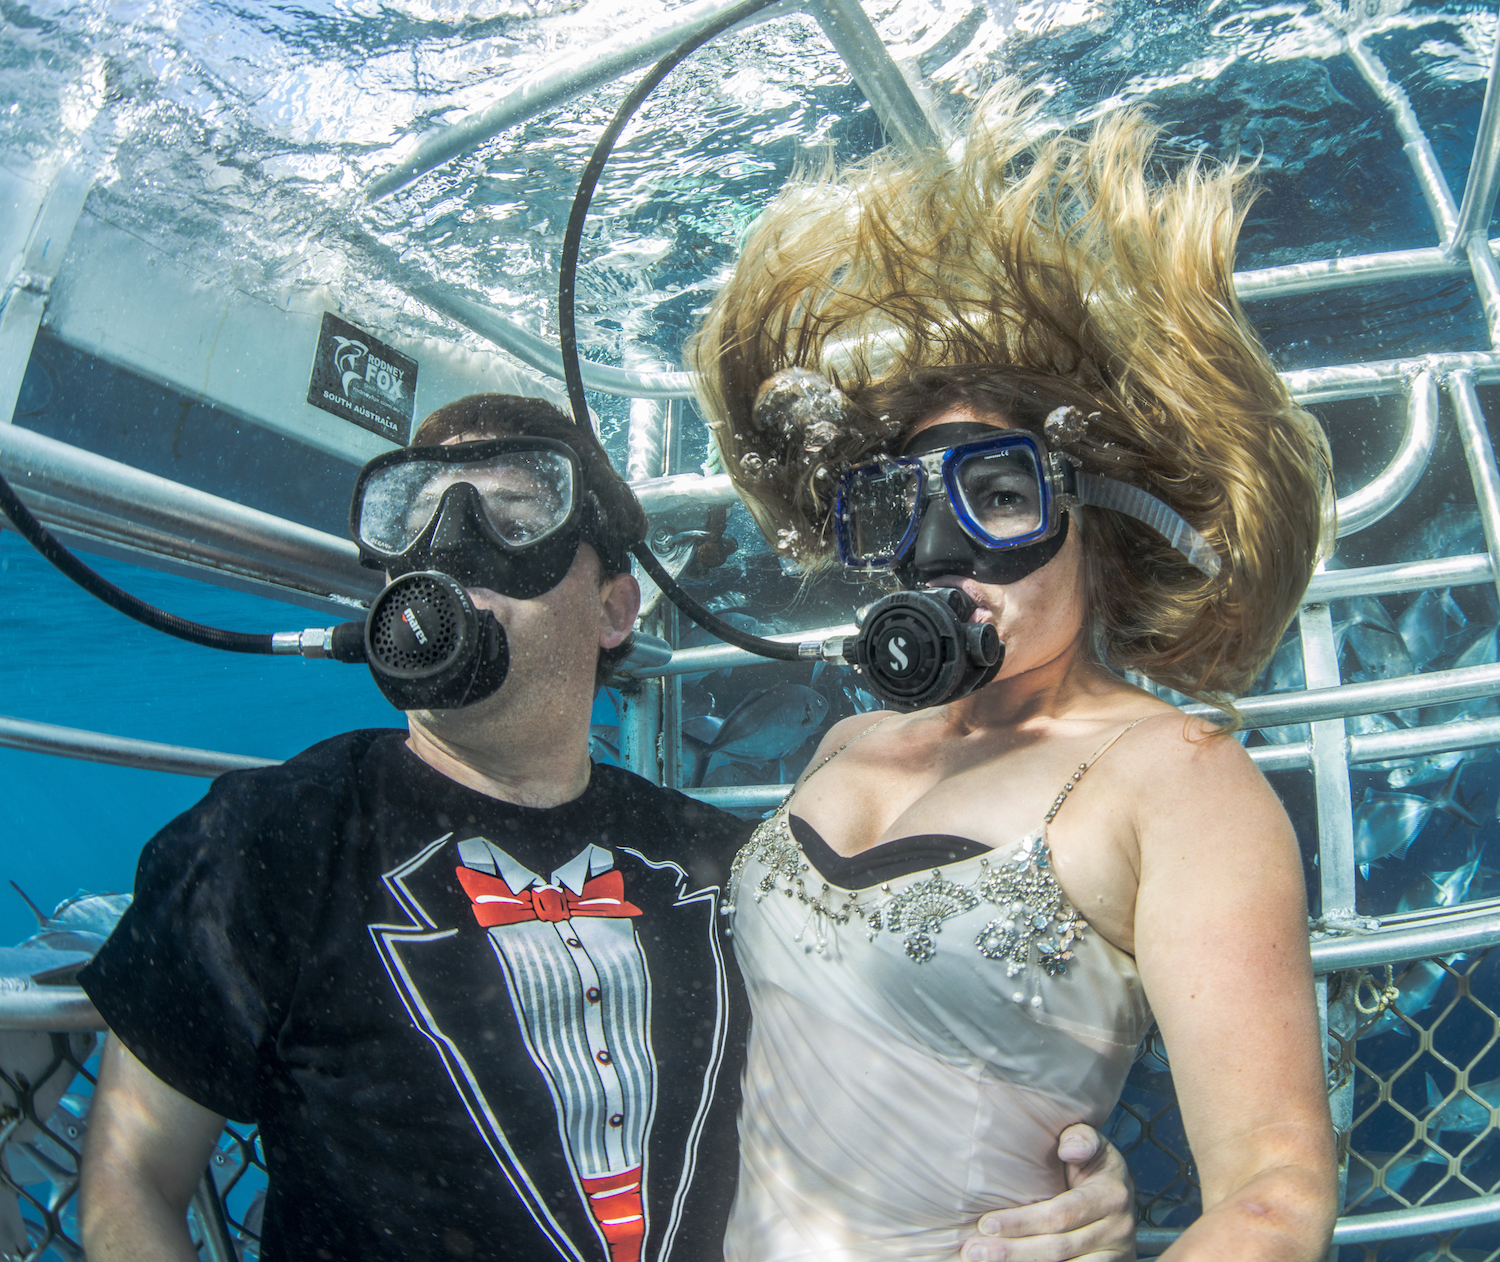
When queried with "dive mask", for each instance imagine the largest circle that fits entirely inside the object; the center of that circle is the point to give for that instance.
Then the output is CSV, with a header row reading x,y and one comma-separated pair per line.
x,y
506,514
971,500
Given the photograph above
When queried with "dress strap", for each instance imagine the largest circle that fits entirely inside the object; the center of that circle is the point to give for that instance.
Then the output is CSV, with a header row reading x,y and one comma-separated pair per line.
x,y
1083,767
809,774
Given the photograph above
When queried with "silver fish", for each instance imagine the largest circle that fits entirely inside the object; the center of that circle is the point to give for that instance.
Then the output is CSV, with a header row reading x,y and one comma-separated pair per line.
x,y
1443,889
604,743
1418,986
1431,768
1369,724
862,701
1483,650
1285,673
1386,824
697,637
1455,531
1428,624
1463,1112
1380,653
770,723
1397,1174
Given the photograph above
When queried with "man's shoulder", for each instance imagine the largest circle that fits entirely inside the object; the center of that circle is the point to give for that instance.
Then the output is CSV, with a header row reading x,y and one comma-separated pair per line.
x,y
330,762
673,813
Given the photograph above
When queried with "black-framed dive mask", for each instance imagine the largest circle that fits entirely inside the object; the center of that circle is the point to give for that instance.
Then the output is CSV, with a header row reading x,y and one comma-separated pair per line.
x,y
981,502
505,514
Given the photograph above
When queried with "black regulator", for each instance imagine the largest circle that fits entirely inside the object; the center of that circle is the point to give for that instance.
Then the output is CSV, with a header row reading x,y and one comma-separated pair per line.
x,y
919,649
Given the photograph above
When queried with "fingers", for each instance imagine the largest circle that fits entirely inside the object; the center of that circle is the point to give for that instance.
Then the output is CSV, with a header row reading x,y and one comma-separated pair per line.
x,y
1094,1219
1079,1144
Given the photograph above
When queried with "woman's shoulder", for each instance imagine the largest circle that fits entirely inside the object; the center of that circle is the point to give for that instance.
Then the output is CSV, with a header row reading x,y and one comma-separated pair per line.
x,y
1179,767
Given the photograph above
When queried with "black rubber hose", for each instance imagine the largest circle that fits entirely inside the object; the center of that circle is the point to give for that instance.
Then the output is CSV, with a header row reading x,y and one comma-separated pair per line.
x,y
573,237
45,542
725,631
568,326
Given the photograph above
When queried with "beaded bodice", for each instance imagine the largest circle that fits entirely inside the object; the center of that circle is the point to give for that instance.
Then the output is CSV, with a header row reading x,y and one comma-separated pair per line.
x,y
1032,913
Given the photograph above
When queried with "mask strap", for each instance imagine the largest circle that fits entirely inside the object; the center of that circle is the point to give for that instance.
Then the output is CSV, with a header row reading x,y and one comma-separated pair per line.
x,y
1167,522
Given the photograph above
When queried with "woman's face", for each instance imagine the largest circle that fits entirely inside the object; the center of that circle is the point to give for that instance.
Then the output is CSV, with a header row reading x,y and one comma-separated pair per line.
x,y
1038,617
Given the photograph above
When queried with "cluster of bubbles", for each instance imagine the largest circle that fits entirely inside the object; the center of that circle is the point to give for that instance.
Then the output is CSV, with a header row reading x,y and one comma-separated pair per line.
x,y
803,406
1066,426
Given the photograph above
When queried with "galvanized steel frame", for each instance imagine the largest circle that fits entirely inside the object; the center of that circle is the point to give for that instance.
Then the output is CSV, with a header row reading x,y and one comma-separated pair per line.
x,y
107,507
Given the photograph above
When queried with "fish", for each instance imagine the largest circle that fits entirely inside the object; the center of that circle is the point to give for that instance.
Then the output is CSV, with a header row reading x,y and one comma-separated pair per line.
x,y
604,743
1429,623
1431,768
730,774
1443,889
1483,650
1463,1112
40,964
770,723
1386,824
1397,1174
79,923
1285,673
1454,531
702,727
1486,884
697,637
1381,653
862,701
1371,724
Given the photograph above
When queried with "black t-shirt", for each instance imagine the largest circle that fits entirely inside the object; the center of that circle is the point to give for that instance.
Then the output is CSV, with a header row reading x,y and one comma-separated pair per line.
x,y
536,1056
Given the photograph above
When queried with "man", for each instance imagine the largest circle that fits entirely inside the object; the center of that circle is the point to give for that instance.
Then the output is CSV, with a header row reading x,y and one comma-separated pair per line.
x,y
461,979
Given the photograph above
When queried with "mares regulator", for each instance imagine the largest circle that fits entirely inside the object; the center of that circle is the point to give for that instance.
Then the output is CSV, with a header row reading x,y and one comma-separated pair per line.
x,y
429,647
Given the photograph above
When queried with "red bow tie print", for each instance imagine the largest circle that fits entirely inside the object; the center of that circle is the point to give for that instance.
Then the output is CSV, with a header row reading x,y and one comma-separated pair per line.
x,y
496,904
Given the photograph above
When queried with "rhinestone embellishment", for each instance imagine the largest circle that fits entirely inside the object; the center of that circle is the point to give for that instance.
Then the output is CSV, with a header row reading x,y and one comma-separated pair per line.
x,y
1035,913
919,912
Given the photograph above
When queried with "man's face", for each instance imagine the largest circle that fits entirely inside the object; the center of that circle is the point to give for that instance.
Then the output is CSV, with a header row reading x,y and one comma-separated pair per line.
x,y
554,639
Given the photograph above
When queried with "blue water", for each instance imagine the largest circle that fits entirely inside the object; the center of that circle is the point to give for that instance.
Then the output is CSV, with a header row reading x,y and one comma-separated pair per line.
x,y
70,824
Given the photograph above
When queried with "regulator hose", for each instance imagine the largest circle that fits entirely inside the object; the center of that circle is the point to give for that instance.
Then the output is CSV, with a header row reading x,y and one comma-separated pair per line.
x,y
45,542
568,327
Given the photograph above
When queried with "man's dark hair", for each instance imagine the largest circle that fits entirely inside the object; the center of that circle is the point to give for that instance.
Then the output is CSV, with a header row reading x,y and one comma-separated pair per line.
x,y
618,522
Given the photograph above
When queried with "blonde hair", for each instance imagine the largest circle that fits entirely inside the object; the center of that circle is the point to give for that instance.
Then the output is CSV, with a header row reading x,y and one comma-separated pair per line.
x,y
1012,279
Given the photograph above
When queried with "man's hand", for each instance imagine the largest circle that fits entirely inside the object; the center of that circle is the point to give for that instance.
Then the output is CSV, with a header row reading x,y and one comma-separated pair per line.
x,y
1092,1220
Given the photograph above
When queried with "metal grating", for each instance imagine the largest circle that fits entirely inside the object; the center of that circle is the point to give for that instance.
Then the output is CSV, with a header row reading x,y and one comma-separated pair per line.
x,y
1387,1032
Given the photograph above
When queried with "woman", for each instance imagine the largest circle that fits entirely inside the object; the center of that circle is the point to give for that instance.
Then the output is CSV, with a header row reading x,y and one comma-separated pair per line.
x,y
991,373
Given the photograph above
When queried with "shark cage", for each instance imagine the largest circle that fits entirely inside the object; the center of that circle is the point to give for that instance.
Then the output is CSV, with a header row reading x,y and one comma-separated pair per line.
x,y
1377,721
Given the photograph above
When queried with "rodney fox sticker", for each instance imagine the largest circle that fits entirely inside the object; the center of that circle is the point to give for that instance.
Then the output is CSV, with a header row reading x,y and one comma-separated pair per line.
x,y
363,380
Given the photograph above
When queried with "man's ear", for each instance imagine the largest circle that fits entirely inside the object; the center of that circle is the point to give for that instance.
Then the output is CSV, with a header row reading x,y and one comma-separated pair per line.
x,y
619,602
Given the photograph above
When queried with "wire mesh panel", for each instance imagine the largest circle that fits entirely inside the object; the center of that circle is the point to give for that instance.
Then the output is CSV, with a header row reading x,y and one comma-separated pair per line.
x,y
45,1087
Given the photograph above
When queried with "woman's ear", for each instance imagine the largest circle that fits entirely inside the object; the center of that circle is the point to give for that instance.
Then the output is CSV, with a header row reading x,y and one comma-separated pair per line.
x,y
619,602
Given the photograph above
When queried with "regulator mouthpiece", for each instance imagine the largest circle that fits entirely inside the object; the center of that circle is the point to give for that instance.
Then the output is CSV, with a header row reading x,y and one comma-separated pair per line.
x,y
429,648
919,649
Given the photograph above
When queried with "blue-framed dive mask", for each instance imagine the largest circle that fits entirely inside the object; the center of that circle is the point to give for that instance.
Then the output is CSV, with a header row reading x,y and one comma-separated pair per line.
x,y
969,500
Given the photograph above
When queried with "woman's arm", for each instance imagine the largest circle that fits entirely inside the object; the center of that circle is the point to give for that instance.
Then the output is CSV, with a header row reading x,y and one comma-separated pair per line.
x,y
1221,942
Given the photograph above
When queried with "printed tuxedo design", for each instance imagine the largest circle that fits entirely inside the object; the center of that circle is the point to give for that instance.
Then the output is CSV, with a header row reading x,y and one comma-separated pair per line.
x,y
581,1016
